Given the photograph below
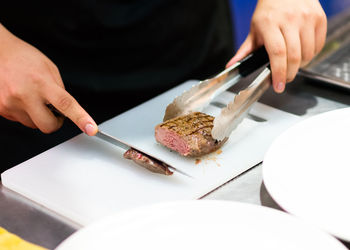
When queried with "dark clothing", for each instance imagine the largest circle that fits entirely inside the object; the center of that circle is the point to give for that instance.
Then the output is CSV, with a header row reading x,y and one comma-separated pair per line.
x,y
115,54
123,44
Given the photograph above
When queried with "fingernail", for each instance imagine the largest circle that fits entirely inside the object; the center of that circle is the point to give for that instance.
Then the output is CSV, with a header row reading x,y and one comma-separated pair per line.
x,y
90,129
280,87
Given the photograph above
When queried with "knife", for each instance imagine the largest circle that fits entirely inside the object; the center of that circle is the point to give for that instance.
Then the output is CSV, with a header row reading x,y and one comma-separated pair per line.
x,y
117,142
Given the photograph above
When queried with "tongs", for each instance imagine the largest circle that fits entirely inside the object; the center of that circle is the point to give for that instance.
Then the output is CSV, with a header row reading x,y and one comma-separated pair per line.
x,y
201,94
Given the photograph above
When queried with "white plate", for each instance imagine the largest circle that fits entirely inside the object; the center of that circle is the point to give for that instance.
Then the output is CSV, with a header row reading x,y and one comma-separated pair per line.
x,y
201,225
307,171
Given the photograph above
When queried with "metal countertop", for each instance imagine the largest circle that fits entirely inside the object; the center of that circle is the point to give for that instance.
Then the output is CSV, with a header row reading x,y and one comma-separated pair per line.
x,y
303,97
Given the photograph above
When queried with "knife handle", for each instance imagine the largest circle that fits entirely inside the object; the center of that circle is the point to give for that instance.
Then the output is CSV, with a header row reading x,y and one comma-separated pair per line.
x,y
253,61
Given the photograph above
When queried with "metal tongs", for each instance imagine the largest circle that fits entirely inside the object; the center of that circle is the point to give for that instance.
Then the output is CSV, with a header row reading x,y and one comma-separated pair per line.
x,y
201,94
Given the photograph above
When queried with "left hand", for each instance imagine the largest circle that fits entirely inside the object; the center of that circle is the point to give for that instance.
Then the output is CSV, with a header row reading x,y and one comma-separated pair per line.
x,y
292,31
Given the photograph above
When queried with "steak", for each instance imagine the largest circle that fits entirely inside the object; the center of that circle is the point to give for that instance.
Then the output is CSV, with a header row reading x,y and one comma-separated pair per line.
x,y
189,135
147,162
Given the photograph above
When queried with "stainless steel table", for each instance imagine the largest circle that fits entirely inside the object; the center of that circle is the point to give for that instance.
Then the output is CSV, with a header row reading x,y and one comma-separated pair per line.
x,y
303,97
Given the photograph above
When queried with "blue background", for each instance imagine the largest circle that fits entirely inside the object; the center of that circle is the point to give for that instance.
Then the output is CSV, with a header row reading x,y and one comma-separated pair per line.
x,y
243,9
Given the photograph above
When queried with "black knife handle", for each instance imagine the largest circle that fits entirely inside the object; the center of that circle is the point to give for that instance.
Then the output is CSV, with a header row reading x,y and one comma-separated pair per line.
x,y
253,61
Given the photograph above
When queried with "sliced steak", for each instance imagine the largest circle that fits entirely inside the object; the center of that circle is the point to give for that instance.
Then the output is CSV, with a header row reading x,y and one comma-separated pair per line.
x,y
189,135
149,163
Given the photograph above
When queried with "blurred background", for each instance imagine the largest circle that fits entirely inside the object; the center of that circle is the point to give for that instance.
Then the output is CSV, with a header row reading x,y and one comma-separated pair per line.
x,y
243,9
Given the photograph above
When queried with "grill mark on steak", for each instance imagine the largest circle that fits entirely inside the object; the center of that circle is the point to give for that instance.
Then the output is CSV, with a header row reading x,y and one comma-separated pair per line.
x,y
149,163
190,124
189,135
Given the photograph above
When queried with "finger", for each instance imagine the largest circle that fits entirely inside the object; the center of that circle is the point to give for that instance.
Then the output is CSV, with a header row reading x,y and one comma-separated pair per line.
x,y
320,34
55,74
292,40
70,108
21,117
307,40
43,118
246,48
276,49
24,119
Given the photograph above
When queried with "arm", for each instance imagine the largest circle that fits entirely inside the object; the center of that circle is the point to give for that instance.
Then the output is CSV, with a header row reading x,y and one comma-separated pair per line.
x,y
28,82
292,31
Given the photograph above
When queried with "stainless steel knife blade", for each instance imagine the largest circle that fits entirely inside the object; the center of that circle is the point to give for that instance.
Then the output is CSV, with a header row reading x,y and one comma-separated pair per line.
x,y
119,143
236,110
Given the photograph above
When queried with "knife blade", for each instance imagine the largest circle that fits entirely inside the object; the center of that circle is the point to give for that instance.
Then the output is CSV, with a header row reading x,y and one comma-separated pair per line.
x,y
119,143
233,114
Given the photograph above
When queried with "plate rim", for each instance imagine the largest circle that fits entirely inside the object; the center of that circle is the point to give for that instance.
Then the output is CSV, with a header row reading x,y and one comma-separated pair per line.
x,y
267,175
234,204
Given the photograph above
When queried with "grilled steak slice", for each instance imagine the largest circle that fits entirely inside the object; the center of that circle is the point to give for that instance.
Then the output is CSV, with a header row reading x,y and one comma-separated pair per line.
x,y
149,163
189,135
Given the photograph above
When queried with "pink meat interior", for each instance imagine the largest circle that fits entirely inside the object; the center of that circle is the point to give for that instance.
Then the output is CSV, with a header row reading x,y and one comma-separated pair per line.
x,y
172,140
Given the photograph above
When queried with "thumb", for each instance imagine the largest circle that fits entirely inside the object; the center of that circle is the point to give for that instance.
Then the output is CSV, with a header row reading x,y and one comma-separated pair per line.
x,y
246,48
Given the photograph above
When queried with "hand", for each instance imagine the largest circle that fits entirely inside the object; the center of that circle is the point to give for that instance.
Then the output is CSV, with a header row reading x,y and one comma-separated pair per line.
x,y
292,31
29,81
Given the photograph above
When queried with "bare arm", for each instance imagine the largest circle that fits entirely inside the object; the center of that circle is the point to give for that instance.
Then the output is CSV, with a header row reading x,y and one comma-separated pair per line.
x,y
292,31
28,82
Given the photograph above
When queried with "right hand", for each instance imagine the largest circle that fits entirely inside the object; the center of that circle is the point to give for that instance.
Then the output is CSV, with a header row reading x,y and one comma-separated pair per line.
x,y
292,31
29,81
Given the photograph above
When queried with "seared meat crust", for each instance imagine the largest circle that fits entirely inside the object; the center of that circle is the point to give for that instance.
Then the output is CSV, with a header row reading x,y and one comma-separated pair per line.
x,y
189,135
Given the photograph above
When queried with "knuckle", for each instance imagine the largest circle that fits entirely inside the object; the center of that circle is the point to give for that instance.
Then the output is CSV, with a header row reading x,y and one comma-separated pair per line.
x,y
46,130
294,58
290,15
31,125
54,68
278,50
321,17
49,127
13,97
13,91
5,104
261,19
254,23
266,19
65,103
36,77
306,14
308,55
279,71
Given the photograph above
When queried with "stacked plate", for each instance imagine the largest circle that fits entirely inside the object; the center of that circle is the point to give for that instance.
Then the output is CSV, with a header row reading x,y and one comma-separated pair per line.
x,y
307,171
201,225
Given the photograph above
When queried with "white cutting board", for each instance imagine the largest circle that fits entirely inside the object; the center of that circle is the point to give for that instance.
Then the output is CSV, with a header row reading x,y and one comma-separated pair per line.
x,y
85,178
